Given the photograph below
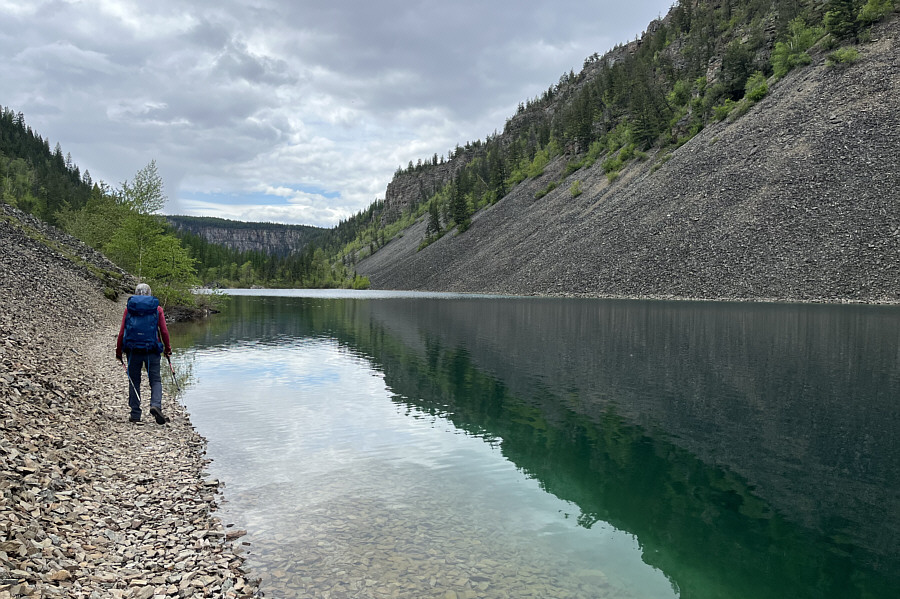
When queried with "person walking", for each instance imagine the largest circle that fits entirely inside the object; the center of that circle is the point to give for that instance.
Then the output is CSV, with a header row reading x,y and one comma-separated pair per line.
x,y
143,336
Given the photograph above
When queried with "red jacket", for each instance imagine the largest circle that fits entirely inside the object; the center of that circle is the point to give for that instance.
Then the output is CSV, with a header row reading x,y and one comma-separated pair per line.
x,y
161,325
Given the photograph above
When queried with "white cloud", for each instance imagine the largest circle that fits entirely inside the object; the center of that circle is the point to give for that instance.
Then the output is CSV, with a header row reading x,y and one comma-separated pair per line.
x,y
236,96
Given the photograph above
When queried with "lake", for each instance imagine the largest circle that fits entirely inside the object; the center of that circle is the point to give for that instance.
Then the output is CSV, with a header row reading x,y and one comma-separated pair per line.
x,y
379,444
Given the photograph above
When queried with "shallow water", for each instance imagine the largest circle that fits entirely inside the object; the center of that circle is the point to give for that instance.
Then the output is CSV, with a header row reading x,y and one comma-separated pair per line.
x,y
408,445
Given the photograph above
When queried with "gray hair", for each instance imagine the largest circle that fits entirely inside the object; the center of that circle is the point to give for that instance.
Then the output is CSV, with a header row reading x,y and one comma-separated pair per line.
x,y
142,289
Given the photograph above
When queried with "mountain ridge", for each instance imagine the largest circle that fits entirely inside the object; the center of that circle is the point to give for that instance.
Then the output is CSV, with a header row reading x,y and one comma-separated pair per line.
x,y
795,200
274,239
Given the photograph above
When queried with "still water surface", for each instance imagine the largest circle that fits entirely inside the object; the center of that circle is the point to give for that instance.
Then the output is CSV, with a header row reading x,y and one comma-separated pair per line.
x,y
382,444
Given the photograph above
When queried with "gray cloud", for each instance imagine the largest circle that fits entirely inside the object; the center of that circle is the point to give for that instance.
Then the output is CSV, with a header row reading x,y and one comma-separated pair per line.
x,y
237,96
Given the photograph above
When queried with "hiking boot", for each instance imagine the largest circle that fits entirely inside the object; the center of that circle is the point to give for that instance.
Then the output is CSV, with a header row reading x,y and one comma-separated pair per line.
x,y
134,420
157,413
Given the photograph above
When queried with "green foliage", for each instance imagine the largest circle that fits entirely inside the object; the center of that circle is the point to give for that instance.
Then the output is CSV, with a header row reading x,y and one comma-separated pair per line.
x,y
721,112
756,87
170,270
680,94
792,52
461,207
32,177
131,242
841,18
550,187
536,168
736,68
875,10
96,222
360,282
842,56
433,229
144,195
575,189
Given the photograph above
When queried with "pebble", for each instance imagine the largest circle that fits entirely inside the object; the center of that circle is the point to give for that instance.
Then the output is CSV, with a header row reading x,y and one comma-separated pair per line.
x,y
92,506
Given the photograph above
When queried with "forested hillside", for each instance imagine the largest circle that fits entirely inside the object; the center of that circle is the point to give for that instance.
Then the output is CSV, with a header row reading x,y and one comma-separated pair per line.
x,y
705,62
124,223
35,179
789,192
733,147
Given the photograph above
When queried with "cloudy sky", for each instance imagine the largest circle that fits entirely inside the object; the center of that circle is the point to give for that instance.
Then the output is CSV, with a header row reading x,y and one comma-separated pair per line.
x,y
288,111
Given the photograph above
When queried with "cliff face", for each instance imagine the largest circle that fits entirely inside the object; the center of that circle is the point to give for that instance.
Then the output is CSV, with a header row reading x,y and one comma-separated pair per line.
x,y
795,200
270,238
409,188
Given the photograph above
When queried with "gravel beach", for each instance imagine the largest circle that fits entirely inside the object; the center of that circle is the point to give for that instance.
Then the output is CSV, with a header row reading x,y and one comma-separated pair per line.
x,y
91,505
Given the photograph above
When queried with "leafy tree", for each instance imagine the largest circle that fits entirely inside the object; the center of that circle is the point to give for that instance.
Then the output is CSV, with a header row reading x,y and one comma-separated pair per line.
x,y
95,223
792,52
144,194
131,243
171,270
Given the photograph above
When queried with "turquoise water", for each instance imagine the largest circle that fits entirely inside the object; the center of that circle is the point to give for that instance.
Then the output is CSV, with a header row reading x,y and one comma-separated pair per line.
x,y
426,445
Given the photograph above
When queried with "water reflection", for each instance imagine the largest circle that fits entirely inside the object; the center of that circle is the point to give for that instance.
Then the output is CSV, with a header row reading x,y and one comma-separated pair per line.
x,y
750,450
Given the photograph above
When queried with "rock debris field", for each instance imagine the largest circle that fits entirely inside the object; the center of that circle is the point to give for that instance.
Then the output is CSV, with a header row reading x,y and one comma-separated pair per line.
x,y
92,506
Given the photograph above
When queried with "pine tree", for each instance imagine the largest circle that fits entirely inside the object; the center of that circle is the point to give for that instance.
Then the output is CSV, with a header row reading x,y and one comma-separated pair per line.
x,y
433,229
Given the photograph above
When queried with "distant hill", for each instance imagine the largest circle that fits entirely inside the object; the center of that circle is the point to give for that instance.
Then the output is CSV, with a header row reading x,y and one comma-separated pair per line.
x,y
270,238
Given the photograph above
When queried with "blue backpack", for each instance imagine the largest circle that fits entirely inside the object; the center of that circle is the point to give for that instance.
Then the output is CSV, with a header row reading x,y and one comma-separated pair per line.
x,y
141,323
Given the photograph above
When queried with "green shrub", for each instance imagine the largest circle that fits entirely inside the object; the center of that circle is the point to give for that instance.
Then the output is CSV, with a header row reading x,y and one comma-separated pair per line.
x,y
575,189
756,87
541,160
721,111
594,152
550,187
792,53
573,166
875,10
681,93
740,109
842,56
612,164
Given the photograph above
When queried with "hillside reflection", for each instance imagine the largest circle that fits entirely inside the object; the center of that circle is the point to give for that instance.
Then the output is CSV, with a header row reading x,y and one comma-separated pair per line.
x,y
752,449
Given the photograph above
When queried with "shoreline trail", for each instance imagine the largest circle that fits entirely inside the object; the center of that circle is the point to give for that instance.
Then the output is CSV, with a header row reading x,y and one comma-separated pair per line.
x,y
91,505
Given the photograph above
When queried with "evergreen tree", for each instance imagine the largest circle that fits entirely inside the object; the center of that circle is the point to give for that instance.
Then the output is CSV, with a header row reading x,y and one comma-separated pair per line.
x,y
433,229
840,18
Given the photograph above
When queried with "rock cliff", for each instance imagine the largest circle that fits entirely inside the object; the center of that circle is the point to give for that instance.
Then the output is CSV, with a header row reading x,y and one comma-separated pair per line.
x,y
795,200
271,238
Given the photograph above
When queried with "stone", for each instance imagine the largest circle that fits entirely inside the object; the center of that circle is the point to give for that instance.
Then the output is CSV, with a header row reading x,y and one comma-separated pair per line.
x,y
84,511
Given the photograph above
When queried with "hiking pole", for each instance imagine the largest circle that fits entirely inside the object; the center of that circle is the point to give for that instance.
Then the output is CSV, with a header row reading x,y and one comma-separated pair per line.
x,y
137,391
172,370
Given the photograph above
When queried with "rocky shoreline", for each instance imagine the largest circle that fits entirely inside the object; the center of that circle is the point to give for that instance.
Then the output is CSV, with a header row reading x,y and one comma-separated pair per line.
x,y
92,506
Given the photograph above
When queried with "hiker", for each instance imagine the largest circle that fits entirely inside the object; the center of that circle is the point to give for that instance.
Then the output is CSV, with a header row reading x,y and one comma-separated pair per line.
x,y
143,325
